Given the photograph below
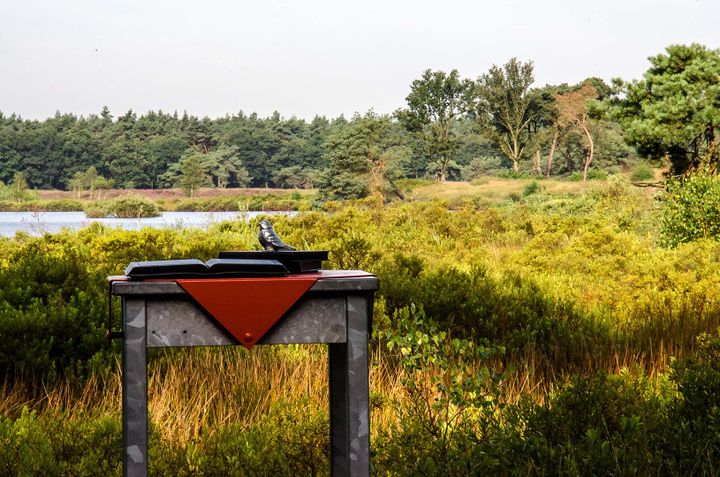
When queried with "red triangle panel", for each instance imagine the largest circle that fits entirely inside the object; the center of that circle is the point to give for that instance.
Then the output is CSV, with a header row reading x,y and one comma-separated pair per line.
x,y
247,307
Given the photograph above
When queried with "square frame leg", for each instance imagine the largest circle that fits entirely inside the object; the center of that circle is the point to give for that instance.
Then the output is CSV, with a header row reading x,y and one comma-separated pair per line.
x,y
349,394
134,399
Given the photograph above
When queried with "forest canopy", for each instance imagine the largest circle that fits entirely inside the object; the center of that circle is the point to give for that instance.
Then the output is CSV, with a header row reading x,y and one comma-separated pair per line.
x,y
451,128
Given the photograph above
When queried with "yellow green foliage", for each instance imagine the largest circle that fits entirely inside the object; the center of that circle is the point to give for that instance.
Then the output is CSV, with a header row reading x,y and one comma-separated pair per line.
x,y
577,272
561,284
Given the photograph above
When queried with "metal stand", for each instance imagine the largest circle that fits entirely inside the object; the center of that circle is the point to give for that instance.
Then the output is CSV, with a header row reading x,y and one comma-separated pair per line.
x,y
337,310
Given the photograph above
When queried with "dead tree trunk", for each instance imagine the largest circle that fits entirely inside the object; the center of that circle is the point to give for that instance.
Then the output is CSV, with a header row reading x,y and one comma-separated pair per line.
x,y
536,162
553,144
591,146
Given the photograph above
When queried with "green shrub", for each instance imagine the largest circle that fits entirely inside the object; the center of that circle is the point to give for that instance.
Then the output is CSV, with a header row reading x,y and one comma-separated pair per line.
x,y
51,310
509,310
597,174
698,379
33,445
214,204
353,252
451,390
596,425
692,445
292,440
56,205
18,190
642,172
691,208
593,174
532,188
625,424
61,205
125,208
268,202
133,208
93,211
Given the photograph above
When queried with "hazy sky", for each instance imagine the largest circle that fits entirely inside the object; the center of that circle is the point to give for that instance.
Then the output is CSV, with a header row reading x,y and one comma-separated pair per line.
x,y
303,58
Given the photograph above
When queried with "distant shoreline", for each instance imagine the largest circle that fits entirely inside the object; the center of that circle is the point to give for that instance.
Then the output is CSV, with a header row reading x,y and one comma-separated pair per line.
x,y
174,193
166,200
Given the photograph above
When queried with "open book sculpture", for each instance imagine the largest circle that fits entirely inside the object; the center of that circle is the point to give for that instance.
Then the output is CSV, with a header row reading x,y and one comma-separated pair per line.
x,y
278,259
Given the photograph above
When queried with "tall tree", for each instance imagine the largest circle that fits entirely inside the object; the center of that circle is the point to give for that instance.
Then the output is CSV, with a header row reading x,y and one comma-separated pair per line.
x,y
291,176
435,103
572,107
674,110
81,149
225,167
19,189
89,180
164,149
543,126
362,160
504,108
193,173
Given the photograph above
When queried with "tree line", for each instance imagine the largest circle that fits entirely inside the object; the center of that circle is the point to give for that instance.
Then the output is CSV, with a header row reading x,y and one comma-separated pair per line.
x,y
451,128
153,150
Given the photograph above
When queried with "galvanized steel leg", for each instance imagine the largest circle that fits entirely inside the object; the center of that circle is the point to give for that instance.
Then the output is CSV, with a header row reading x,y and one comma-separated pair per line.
x,y
338,409
349,395
134,406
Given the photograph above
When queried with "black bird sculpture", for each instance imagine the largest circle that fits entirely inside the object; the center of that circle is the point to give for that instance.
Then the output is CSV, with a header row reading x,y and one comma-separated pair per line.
x,y
270,240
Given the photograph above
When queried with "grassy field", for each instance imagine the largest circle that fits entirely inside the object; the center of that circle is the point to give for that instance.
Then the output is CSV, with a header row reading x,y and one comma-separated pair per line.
x,y
488,187
496,189
542,333
488,190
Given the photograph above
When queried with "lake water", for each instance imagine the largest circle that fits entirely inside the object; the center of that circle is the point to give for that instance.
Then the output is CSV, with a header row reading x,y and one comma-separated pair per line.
x,y
37,223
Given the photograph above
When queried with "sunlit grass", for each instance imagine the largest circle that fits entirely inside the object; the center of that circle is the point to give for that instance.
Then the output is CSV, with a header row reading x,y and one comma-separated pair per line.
x,y
495,189
194,391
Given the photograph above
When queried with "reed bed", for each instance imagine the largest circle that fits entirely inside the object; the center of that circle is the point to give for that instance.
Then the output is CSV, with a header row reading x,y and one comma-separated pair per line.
x,y
195,391
192,392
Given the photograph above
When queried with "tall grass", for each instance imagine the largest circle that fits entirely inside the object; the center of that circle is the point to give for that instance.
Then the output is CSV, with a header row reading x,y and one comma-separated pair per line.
x,y
193,391
568,285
